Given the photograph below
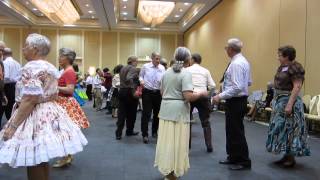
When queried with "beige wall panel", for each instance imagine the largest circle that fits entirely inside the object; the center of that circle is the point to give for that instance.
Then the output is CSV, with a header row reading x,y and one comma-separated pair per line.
x,y
235,19
168,46
52,35
312,85
146,44
71,39
109,49
127,46
91,49
293,26
11,36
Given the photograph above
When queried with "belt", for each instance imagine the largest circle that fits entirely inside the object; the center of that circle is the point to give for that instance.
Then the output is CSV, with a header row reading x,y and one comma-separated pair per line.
x,y
152,90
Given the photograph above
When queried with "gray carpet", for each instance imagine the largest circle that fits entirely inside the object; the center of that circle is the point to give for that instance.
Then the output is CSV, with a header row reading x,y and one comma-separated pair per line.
x,y
129,159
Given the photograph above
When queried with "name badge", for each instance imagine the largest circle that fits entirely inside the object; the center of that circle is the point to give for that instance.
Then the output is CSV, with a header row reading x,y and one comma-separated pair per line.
x,y
284,69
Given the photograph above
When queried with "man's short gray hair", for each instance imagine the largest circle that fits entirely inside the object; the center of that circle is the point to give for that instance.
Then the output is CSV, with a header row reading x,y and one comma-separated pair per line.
x,y
39,42
235,44
2,44
7,51
154,54
132,59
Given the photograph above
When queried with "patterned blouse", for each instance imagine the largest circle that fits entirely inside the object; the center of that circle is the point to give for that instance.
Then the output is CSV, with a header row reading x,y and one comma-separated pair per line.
x,y
286,74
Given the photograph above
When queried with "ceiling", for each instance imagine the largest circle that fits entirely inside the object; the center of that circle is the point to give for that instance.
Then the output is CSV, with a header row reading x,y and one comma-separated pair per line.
x,y
108,14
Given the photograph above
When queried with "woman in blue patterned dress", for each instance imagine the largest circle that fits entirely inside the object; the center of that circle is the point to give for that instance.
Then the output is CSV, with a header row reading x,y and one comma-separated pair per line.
x,y
287,131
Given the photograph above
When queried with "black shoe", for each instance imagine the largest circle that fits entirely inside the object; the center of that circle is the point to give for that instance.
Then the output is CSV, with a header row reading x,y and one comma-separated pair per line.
x,y
239,167
210,150
227,161
118,137
132,134
154,135
145,140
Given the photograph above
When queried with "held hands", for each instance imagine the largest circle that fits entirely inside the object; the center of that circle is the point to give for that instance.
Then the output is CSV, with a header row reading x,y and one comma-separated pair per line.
x,y
215,99
9,132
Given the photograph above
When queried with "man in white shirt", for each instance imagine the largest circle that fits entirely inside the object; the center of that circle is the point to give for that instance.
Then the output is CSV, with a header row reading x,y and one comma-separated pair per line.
x,y
236,81
11,75
89,81
202,81
96,84
150,77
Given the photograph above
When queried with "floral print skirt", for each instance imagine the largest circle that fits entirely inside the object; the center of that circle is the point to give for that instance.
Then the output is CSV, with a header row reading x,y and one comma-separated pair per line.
x,y
74,111
287,134
48,132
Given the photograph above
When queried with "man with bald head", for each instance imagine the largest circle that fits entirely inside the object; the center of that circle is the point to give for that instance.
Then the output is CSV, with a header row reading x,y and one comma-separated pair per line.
x,y
236,81
11,76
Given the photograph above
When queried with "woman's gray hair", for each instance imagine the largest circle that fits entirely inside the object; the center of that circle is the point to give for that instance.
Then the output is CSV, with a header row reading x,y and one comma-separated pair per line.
x,y
39,42
235,44
68,53
181,56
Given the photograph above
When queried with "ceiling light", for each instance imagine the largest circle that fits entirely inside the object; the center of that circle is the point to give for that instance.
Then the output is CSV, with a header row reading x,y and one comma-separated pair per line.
x,y
27,3
124,7
146,28
90,12
176,16
87,5
124,0
125,13
69,25
34,9
186,4
180,10
58,11
92,17
154,12
41,14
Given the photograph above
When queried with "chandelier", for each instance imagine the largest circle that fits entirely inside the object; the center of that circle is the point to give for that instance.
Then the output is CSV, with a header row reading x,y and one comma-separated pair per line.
x,y
154,12
58,11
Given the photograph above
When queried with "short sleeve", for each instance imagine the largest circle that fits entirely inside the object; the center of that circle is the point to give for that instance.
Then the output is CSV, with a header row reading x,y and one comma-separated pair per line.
x,y
70,77
32,84
187,82
296,71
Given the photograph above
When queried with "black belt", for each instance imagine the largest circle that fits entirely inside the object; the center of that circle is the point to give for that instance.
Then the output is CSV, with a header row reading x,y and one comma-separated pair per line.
x,y
152,90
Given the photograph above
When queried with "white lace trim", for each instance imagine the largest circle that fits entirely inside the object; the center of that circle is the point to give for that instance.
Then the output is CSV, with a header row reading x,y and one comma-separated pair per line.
x,y
37,66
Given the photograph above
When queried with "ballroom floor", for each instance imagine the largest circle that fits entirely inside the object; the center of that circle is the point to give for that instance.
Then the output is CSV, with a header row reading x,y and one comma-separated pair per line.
x,y
130,159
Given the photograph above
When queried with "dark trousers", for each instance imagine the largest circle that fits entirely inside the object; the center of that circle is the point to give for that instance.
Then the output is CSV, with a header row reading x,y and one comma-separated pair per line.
x,y
127,111
9,90
151,101
89,92
202,104
237,147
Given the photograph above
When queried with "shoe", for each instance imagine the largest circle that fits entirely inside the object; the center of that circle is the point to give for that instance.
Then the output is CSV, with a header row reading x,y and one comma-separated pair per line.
x,y
290,162
132,134
209,149
281,161
239,167
118,137
62,163
227,162
145,140
154,135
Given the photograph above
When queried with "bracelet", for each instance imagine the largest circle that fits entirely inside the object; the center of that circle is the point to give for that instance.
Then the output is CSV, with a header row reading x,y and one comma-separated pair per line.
x,y
14,126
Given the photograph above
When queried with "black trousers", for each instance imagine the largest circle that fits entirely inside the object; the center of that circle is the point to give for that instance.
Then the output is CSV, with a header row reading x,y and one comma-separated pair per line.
x,y
127,111
202,104
237,147
89,91
9,90
151,101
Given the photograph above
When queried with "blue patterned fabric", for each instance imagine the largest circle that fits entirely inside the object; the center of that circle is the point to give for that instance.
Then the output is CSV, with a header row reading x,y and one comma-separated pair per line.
x,y
287,134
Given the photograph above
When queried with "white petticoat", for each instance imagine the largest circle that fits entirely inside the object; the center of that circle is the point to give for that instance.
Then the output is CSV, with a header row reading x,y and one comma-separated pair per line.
x,y
47,133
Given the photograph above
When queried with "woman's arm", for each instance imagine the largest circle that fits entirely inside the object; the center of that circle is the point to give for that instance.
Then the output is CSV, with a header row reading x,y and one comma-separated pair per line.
x,y
26,106
297,85
69,89
190,96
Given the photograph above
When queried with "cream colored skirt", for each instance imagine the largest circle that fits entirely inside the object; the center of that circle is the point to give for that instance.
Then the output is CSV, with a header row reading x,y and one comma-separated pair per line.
x,y
172,152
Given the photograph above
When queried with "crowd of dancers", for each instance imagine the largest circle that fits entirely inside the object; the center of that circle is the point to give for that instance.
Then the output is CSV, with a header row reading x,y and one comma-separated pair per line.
x,y
46,119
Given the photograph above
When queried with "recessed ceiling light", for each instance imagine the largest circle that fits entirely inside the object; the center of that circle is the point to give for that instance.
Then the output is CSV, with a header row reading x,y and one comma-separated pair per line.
x,y
124,7
92,17
27,2
186,4
180,10
34,9
69,25
87,5
90,12
176,16
124,0
125,13
41,14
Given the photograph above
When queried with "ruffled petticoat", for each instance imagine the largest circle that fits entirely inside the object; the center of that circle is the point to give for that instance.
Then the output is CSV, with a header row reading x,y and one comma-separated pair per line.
x,y
47,133
74,111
